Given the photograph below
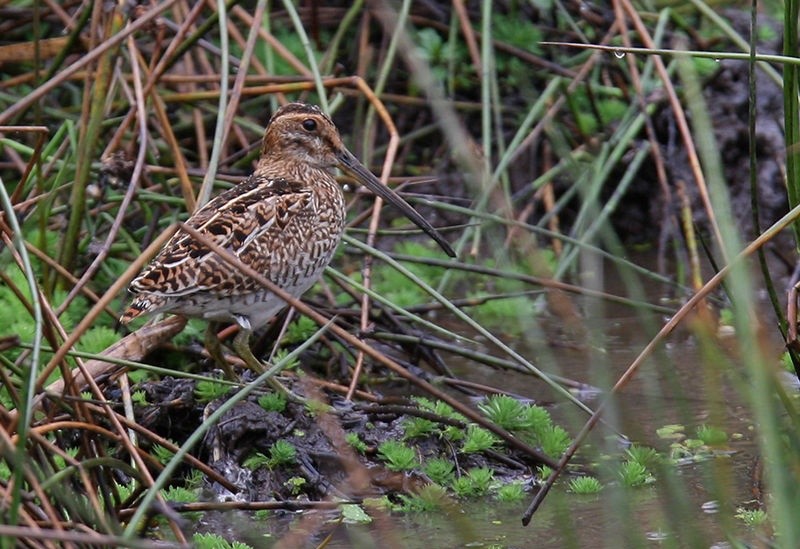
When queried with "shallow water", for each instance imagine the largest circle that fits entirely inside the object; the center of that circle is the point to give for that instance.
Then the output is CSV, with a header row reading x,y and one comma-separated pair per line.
x,y
677,511
682,384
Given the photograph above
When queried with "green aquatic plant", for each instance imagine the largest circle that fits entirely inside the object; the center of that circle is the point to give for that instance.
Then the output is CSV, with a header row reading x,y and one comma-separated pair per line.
x,y
554,441
124,491
295,485
712,436
511,492
180,494
139,398
478,439
430,497
280,453
256,461
481,478
462,487
439,408
194,479
507,412
210,390
474,483
415,427
272,402
537,418
585,485
644,455
97,339
355,441
300,330
138,375
633,474
316,408
215,541
398,456
506,313
672,431
281,354
60,461
440,471
162,454
395,287
6,401
543,472
786,362
453,433
194,331
752,518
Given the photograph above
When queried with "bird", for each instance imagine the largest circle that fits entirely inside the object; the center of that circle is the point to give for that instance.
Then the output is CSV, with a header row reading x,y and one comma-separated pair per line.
x,y
285,221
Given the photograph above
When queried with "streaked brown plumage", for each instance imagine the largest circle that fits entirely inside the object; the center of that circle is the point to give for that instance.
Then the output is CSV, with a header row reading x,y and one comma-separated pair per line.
x,y
284,221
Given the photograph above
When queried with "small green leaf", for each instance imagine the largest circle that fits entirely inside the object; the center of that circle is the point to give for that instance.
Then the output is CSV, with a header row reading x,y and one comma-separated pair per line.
x,y
354,514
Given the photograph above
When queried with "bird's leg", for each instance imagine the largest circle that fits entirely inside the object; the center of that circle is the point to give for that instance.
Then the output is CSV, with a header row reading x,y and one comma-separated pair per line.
x,y
214,348
241,344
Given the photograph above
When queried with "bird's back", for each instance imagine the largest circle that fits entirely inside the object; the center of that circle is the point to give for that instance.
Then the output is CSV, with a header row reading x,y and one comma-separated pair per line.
x,y
285,229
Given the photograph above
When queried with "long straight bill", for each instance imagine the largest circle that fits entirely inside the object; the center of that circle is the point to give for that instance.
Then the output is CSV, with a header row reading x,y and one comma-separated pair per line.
x,y
351,166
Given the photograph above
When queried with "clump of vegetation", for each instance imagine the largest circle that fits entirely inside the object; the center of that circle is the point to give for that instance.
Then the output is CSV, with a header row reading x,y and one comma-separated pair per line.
x,y
712,436
685,448
531,422
415,427
215,541
633,474
162,454
210,390
299,331
280,453
511,492
272,402
430,497
478,439
281,355
752,518
644,455
585,485
509,413
295,485
97,339
181,494
476,482
398,456
355,441
441,471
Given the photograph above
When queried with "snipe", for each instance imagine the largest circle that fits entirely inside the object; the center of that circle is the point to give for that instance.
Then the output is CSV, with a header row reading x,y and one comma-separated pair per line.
x,y
284,221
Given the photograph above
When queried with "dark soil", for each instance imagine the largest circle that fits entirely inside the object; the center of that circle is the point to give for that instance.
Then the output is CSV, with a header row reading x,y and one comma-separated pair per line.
x,y
329,466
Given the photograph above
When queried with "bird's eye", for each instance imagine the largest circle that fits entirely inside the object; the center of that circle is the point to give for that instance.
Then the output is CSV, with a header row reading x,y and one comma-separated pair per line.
x,y
309,124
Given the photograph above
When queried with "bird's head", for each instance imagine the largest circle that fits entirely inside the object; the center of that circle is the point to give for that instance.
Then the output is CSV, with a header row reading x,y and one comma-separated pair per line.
x,y
300,136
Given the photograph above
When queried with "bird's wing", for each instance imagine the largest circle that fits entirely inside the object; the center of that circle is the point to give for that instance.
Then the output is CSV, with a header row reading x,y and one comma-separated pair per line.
x,y
249,220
